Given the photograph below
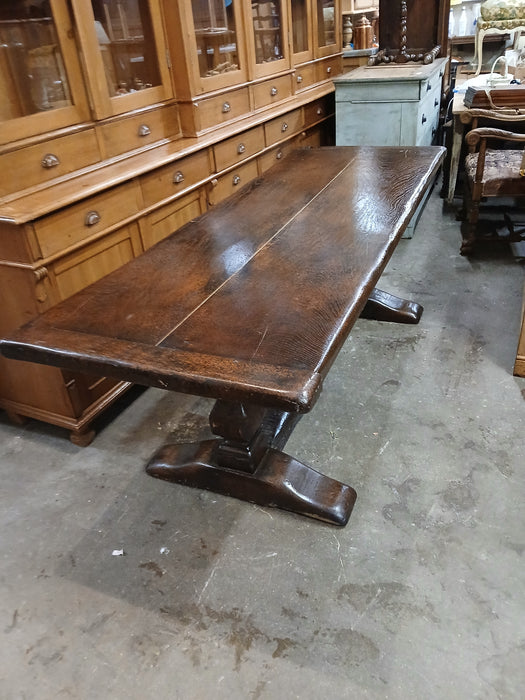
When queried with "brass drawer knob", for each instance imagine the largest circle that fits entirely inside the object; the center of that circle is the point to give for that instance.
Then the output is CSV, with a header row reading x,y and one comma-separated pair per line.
x,y
144,130
319,111
329,69
92,218
50,160
178,178
279,155
241,148
284,127
273,91
226,107
299,78
236,179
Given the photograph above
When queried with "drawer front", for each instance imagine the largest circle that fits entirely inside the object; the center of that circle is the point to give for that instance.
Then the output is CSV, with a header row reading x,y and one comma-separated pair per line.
x,y
329,68
237,148
84,389
92,262
164,221
38,164
275,155
271,91
175,178
305,76
227,185
280,128
319,109
215,110
81,221
124,135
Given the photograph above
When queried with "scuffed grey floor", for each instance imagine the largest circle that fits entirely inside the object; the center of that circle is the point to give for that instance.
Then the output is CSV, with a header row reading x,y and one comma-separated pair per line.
x,y
422,595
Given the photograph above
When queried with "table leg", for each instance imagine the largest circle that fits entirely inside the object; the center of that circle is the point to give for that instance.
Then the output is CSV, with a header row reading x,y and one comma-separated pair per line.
x,y
382,306
246,462
457,140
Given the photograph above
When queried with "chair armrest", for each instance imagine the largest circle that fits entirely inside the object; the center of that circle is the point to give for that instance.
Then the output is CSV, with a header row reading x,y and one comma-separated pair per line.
x,y
504,115
487,132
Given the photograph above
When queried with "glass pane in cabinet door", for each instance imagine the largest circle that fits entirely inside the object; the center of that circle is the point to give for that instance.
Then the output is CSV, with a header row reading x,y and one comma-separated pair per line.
x,y
216,35
32,74
299,26
268,30
126,41
325,22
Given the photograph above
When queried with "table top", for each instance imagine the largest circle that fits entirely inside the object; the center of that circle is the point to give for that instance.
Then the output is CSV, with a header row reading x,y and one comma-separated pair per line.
x,y
252,300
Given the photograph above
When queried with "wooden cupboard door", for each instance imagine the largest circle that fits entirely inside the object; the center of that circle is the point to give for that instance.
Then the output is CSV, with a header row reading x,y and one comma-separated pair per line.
x,y
166,220
77,270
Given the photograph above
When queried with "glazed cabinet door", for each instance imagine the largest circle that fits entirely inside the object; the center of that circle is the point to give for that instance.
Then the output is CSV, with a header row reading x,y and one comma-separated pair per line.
x,y
267,36
124,53
327,27
40,77
206,43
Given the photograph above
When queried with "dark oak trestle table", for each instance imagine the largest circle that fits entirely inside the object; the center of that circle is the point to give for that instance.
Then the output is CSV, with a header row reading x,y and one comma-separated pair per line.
x,y
249,304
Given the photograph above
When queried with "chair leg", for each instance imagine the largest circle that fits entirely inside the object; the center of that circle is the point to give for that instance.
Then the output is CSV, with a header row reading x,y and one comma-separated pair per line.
x,y
468,226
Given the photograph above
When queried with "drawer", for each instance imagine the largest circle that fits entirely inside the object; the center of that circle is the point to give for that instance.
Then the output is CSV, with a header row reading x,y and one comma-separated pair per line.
x,y
319,109
305,76
38,164
172,179
228,184
212,111
77,270
275,155
127,134
329,68
237,148
277,129
81,221
164,221
271,91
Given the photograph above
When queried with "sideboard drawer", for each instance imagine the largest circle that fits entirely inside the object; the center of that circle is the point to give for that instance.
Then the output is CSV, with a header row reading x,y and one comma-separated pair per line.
x,y
284,126
81,221
212,111
318,110
304,77
34,165
239,147
175,178
122,135
230,183
329,68
271,91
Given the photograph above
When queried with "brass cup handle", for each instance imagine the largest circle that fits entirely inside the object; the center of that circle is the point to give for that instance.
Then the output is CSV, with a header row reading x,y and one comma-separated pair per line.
x,y
178,178
92,218
50,160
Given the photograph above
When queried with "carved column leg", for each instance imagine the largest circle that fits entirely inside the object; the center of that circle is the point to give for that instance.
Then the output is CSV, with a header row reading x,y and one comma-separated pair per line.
x,y
382,306
246,462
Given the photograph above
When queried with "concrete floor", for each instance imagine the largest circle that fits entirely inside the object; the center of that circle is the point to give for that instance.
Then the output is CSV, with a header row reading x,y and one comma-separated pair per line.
x,y
421,596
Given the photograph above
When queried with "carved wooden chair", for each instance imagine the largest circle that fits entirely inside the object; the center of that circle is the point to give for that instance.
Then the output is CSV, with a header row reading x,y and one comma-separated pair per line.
x,y
494,167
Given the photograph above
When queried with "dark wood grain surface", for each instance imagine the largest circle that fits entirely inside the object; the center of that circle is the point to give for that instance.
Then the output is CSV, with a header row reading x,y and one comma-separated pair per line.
x,y
253,300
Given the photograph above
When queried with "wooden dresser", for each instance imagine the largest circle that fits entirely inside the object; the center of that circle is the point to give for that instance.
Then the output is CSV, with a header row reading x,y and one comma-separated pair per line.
x,y
120,127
